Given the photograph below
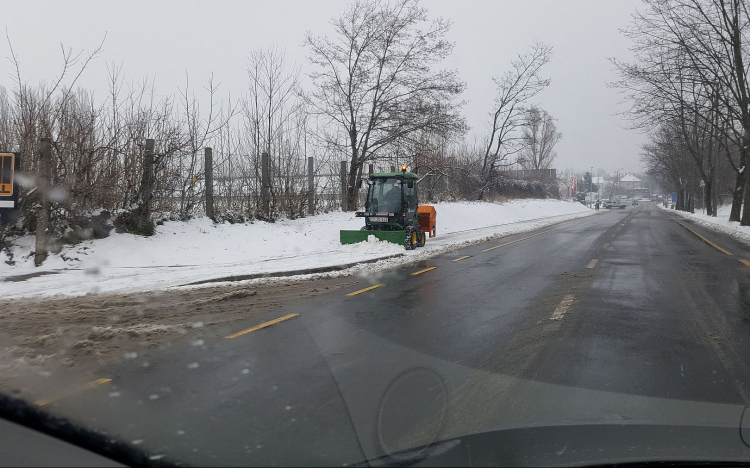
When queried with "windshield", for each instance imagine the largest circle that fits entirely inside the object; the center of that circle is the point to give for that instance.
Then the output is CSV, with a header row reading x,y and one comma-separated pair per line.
x,y
552,266
384,195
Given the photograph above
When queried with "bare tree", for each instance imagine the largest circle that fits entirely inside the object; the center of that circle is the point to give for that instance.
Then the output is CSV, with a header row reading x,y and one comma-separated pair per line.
x,y
540,136
514,90
691,64
375,80
276,122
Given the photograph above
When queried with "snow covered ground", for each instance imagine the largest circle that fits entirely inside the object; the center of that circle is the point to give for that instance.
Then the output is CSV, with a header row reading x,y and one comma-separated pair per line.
x,y
185,252
720,222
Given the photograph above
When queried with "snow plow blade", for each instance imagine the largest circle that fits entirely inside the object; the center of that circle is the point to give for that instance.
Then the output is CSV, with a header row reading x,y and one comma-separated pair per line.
x,y
353,237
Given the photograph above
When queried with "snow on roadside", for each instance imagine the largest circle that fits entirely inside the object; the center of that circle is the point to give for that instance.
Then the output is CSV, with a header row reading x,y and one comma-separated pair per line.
x,y
720,222
181,253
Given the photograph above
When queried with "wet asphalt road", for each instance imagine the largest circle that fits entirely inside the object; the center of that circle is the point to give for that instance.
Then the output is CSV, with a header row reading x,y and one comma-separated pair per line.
x,y
622,316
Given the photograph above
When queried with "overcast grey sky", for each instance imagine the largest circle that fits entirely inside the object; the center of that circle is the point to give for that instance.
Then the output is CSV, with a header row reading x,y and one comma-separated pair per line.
x,y
167,39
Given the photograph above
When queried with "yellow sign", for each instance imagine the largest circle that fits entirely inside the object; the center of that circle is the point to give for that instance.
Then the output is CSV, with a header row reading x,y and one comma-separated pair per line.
x,y
7,166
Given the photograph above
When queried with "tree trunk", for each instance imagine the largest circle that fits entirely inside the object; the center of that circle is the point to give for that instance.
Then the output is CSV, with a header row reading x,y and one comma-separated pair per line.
x,y
739,190
715,196
352,192
691,199
707,192
745,197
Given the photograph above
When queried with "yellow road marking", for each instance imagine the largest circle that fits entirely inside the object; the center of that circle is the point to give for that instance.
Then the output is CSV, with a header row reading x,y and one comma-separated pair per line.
x,y
262,325
605,245
366,289
423,271
720,249
462,258
745,261
563,307
522,239
592,263
95,383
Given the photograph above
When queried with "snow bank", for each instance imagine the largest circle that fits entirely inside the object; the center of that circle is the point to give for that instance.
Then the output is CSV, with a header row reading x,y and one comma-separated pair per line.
x,y
720,222
185,252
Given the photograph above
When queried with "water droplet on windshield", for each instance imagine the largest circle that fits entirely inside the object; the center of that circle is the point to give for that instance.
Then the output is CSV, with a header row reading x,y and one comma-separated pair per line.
x,y
137,441
153,396
245,371
192,365
197,343
114,394
131,355
287,408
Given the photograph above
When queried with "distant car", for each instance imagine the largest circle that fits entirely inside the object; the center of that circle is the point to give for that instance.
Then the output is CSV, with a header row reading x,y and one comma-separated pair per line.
x,y
635,202
607,203
617,203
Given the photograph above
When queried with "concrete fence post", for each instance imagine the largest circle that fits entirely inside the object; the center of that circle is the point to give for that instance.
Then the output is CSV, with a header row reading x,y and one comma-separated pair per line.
x,y
310,186
42,217
209,170
147,181
343,186
265,179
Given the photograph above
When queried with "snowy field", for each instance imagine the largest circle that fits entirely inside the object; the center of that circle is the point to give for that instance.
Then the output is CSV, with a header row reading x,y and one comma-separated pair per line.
x,y
185,252
720,222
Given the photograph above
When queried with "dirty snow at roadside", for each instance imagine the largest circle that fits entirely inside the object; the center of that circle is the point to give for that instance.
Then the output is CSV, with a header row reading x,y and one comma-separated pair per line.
x,y
185,252
720,222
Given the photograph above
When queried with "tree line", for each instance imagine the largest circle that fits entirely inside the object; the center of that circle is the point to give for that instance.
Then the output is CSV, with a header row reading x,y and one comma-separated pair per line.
x,y
687,87
377,94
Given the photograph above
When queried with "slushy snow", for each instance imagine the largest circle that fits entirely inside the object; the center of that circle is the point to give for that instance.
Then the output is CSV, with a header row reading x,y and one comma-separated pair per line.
x,y
720,222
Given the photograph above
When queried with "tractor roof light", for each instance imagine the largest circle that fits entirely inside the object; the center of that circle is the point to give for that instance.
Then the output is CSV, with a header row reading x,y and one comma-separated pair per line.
x,y
403,168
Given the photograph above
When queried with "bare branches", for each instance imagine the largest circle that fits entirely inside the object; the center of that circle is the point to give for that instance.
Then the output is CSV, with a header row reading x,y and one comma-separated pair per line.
x,y
515,89
540,136
690,77
375,79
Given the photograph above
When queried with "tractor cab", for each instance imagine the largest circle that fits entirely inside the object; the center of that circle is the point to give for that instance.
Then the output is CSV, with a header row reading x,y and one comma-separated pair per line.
x,y
392,212
391,200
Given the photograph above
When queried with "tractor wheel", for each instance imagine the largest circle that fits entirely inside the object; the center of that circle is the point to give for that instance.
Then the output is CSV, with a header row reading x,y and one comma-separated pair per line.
x,y
422,239
412,239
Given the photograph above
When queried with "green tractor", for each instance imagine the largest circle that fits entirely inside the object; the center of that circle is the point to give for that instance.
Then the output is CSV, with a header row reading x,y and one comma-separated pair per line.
x,y
392,212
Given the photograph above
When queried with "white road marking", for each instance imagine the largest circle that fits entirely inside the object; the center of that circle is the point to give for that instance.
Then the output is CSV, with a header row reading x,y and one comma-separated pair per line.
x,y
592,263
563,307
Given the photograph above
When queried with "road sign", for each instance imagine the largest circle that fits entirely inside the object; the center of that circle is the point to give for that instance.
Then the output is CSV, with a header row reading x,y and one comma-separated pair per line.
x,y
9,164
674,197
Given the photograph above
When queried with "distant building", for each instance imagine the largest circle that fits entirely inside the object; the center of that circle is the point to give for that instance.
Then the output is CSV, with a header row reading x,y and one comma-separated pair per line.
x,y
630,182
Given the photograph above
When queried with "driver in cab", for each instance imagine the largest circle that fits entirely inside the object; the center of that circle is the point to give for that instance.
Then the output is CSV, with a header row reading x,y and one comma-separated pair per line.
x,y
392,199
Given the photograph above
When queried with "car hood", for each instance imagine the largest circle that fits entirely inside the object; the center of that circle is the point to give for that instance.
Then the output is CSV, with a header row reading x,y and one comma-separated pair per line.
x,y
581,445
